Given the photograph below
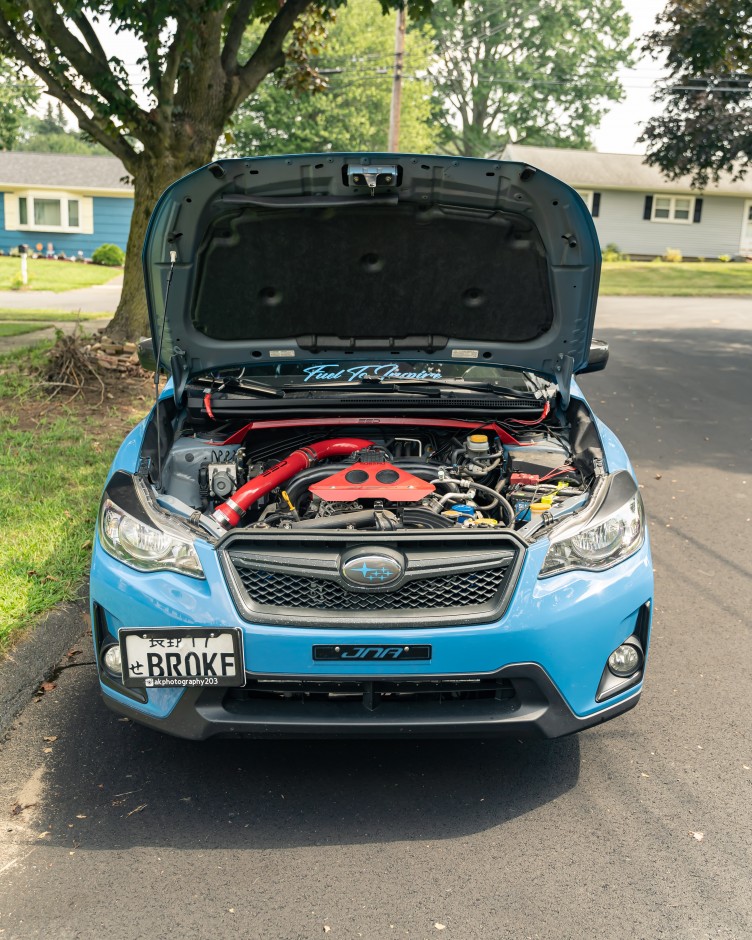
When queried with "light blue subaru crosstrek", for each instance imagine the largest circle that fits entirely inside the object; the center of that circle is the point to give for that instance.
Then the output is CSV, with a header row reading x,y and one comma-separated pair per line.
x,y
371,499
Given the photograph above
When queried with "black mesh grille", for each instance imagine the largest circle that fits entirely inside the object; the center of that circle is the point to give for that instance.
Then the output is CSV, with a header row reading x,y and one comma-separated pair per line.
x,y
370,694
275,589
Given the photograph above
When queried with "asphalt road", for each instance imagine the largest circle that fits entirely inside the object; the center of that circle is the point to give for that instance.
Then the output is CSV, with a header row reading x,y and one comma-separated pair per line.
x,y
641,828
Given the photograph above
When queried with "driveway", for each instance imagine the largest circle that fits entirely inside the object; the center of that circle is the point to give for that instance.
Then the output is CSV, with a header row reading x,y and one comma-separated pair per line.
x,y
640,828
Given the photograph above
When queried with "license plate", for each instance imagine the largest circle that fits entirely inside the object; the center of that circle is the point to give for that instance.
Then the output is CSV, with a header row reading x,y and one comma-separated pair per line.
x,y
162,657
384,653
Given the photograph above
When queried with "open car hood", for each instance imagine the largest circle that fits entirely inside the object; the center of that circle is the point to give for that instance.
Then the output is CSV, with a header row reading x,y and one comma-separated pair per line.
x,y
315,256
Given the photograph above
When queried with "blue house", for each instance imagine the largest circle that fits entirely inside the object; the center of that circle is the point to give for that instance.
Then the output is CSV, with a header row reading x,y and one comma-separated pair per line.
x,y
74,203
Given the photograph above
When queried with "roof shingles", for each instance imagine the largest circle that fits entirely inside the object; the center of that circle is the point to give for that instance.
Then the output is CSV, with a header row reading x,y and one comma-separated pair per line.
x,y
588,169
62,170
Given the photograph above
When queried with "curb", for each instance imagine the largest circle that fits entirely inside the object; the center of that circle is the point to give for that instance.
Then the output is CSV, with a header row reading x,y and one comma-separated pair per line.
x,y
35,658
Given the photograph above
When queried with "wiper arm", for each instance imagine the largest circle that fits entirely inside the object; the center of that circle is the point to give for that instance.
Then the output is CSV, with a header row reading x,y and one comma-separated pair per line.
x,y
238,382
261,389
430,388
438,384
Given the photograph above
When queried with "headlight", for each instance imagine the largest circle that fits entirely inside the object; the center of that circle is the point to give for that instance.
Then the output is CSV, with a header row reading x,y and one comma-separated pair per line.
x,y
145,547
611,536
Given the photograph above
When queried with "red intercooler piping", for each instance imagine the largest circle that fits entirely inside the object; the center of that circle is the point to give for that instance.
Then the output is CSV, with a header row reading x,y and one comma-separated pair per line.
x,y
229,513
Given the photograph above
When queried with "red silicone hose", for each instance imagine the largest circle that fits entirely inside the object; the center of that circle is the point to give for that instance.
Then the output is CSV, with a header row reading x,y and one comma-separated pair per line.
x,y
229,513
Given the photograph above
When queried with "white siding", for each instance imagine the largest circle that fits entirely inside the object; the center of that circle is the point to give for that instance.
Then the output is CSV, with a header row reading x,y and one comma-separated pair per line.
x,y
620,221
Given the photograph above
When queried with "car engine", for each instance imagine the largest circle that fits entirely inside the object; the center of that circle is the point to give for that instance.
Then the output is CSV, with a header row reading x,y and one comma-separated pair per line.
x,y
421,475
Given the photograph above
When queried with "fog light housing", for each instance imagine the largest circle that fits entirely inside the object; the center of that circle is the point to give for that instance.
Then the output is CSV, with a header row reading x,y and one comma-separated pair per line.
x,y
113,661
625,660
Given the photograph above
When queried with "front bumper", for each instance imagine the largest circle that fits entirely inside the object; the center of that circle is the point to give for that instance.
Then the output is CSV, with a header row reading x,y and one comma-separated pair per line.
x,y
531,707
551,645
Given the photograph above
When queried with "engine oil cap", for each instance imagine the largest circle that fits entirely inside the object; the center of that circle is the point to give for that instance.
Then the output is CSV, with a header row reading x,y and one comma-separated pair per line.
x,y
463,509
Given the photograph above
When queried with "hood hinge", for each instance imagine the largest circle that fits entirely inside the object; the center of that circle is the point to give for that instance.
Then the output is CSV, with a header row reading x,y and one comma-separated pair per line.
x,y
563,370
179,372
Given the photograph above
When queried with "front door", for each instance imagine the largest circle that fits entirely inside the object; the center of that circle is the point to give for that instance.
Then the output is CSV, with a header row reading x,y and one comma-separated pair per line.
x,y
745,247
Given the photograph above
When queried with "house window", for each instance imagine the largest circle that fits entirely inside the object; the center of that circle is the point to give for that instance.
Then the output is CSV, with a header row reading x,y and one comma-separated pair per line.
x,y
592,200
48,214
673,209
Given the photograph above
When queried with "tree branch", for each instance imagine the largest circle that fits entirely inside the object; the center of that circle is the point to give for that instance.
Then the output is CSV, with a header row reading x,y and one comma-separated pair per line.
x,y
116,145
171,66
268,55
84,62
238,23
92,40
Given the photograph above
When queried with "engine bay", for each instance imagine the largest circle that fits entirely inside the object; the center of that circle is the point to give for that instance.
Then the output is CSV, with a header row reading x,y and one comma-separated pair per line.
x,y
383,474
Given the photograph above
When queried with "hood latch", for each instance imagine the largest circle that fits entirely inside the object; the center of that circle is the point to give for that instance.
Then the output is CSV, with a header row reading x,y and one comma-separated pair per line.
x,y
372,176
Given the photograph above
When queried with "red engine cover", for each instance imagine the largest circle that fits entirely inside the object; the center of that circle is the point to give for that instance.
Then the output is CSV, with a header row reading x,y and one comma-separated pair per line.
x,y
372,481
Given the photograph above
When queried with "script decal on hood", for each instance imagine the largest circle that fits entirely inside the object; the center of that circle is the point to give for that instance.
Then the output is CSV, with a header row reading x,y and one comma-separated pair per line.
x,y
333,372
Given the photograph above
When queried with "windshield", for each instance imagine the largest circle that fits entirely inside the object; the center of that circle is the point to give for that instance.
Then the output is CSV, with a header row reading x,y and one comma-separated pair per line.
x,y
348,372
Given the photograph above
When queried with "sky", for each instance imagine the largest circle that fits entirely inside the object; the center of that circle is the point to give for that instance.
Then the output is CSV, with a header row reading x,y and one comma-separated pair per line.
x,y
619,129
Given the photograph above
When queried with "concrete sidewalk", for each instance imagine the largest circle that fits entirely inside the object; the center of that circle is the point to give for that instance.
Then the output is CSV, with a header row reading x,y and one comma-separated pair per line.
x,y
9,343
101,298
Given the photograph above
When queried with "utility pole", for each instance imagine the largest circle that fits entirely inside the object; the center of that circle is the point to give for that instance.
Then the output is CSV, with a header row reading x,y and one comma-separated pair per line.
x,y
399,51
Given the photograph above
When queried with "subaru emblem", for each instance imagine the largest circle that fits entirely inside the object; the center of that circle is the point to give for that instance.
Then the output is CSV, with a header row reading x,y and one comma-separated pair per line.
x,y
372,571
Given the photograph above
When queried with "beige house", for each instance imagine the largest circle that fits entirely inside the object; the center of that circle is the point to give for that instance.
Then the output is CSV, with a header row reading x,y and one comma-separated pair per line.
x,y
641,212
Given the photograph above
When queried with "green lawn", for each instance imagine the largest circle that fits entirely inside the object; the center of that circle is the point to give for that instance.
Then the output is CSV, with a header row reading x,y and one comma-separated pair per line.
x,y
48,315
685,279
54,275
53,462
19,329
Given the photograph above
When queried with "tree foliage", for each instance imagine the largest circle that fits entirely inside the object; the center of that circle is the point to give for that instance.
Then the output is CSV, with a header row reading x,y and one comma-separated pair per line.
x,y
527,71
350,110
51,134
194,76
18,93
706,124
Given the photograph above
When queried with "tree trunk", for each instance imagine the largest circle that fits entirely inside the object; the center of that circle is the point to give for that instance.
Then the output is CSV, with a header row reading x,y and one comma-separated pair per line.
x,y
131,321
150,179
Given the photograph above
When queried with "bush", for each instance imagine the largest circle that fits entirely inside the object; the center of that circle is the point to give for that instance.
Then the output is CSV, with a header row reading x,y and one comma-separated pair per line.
x,y
673,255
612,253
109,255
724,258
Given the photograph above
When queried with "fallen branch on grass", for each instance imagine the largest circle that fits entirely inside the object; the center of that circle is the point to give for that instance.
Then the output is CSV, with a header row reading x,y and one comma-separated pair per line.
x,y
83,363
70,366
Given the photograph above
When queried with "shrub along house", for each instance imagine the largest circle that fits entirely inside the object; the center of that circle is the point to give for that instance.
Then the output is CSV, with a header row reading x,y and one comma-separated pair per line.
x,y
74,203
636,208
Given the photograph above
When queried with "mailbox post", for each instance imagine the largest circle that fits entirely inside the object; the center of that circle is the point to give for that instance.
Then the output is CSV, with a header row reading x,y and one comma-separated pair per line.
x,y
24,264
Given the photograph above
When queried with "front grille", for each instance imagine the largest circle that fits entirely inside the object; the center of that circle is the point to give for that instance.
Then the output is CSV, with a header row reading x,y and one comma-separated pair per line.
x,y
381,693
296,580
276,589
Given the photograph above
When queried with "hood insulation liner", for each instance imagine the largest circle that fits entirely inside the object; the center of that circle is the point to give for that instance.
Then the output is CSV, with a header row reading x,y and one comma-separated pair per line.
x,y
372,271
